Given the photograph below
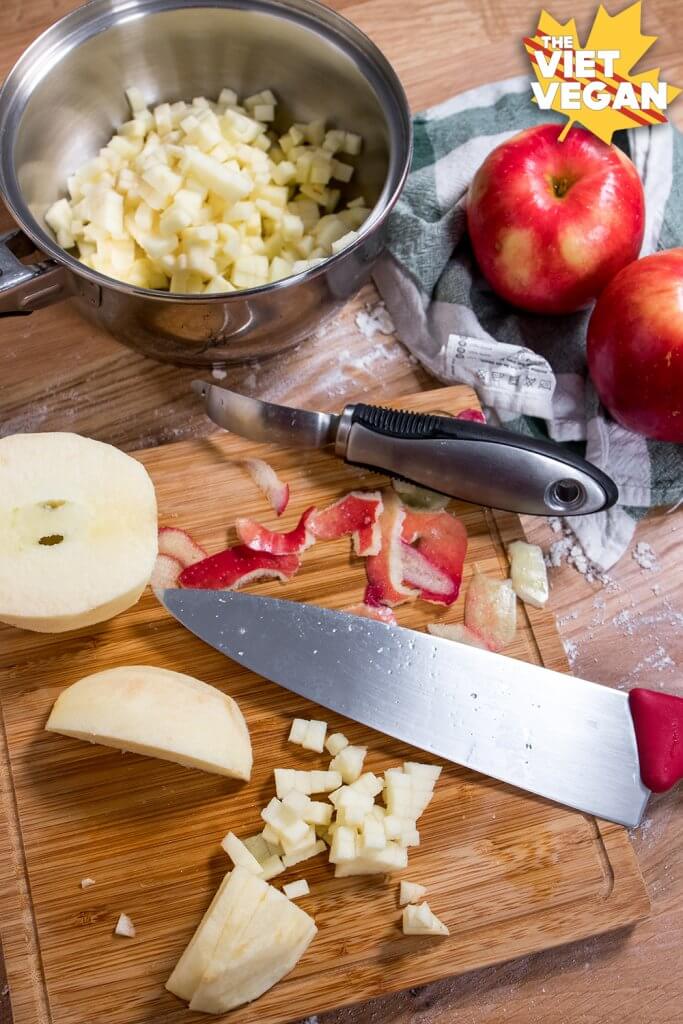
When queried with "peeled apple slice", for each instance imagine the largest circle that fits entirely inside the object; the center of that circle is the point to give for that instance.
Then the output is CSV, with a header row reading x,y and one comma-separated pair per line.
x,y
78,531
159,713
528,573
458,632
234,904
491,610
246,962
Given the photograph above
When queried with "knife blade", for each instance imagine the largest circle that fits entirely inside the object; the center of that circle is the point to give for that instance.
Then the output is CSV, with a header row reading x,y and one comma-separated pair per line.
x,y
462,459
563,738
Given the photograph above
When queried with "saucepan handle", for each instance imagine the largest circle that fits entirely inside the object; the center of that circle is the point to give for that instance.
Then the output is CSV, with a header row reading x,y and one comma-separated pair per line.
x,y
25,287
658,723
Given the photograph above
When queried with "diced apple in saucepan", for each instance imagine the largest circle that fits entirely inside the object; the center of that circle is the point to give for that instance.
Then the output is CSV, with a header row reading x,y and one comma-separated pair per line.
x,y
251,937
205,197
159,713
528,573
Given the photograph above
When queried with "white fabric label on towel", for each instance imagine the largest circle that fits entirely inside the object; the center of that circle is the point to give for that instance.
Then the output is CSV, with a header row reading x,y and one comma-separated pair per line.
x,y
509,378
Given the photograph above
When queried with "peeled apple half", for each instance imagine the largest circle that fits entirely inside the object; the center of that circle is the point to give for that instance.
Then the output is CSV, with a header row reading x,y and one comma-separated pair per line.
x,y
159,713
78,531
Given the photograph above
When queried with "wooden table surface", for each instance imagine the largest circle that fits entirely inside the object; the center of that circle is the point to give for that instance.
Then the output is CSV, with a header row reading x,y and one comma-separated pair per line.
x,y
57,373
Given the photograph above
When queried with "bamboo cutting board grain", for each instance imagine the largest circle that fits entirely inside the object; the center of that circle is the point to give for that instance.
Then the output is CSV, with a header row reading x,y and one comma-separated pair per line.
x,y
509,873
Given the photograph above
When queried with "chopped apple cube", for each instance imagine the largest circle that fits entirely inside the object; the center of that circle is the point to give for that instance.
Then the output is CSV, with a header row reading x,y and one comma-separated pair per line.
x,y
294,890
528,573
349,763
343,848
318,813
373,835
410,892
125,927
239,854
326,782
271,867
299,802
419,920
305,853
87,883
336,743
374,862
368,783
315,736
297,732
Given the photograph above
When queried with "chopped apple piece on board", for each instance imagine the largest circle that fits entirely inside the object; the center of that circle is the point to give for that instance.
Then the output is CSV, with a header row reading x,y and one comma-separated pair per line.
x,y
335,743
411,892
528,573
458,632
239,854
349,763
246,961
295,890
125,927
234,904
308,734
491,610
159,713
419,920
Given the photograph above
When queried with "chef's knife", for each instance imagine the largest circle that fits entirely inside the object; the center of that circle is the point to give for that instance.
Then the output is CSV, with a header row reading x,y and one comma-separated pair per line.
x,y
456,457
563,738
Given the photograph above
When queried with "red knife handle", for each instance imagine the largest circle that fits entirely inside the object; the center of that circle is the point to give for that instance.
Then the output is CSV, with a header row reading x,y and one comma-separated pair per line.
x,y
658,722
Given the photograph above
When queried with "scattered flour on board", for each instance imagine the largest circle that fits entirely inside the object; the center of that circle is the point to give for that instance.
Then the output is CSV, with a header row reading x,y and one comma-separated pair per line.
x,y
571,649
644,555
567,549
374,320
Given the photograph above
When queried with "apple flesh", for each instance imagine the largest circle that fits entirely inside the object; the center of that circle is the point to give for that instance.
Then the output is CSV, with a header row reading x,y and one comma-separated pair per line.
x,y
552,222
635,346
159,713
78,531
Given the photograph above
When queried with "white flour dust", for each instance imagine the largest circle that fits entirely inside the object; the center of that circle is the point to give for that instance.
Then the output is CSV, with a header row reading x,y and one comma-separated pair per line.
x,y
568,550
374,319
644,555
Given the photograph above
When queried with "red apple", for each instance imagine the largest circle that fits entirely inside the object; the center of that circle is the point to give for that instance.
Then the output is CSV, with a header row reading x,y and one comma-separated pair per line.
x,y
635,346
552,222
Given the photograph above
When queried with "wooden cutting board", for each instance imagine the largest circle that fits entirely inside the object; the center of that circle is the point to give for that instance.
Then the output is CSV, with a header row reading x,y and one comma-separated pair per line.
x,y
509,873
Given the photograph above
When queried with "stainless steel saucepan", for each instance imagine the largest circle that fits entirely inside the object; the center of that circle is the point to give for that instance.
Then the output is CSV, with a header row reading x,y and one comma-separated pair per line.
x,y
65,96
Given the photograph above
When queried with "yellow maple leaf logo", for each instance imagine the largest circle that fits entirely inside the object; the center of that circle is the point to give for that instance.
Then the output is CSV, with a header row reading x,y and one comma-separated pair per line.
x,y
592,84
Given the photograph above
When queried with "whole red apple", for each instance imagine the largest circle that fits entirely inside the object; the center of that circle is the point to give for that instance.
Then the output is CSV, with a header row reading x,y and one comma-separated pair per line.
x,y
635,346
552,222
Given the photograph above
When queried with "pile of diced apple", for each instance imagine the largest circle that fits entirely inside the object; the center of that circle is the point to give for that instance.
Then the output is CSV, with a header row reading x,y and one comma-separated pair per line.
x,y
364,837
204,197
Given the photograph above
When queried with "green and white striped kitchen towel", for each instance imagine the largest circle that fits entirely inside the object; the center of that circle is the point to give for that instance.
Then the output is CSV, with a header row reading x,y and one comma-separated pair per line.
x,y
529,370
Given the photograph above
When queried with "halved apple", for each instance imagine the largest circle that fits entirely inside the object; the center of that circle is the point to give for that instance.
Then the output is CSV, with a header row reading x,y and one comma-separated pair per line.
x,y
78,531
159,713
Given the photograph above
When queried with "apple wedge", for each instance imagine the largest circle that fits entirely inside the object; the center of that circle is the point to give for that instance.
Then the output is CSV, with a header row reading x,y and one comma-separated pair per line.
x,y
159,713
247,962
234,905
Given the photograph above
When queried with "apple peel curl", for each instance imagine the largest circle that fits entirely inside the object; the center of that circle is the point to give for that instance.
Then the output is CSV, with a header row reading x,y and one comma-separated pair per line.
x,y
235,567
178,544
165,574
440,539
267,481
385,569
357,513
292,542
